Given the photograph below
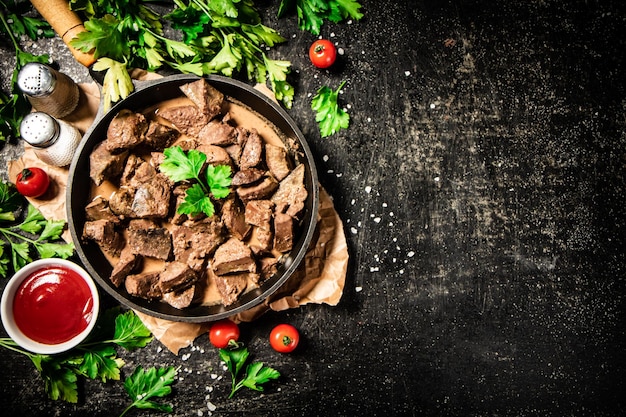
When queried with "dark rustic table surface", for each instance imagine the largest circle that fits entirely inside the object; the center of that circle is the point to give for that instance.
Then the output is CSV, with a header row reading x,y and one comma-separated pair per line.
x,y
481,186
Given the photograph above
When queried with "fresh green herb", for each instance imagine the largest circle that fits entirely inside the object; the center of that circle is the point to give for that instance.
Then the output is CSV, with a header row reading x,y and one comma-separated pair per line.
x,y
33,232
313,13
180,166
96,358
256,373
142,386
217,37
14,23
330,117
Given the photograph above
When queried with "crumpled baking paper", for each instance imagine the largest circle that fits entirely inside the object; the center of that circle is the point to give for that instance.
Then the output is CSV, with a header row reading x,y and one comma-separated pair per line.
x,y
319,279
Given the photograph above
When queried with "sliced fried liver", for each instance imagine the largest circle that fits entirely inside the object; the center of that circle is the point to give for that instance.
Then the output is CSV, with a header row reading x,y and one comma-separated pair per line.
x,y
283,232
231,287
277,161
252,153
234,219
105,234
159,136
233,256
176,276
187,119
259,212
98,209
126,131
180,299
217,133
215,155
104,165
207,98
146,238
258,191
145,285
291,193
195,242
126,265
247,176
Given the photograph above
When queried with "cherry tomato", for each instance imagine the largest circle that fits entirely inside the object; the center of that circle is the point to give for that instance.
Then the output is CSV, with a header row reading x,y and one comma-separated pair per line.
x,y
284,338
32,182
223,332
322,53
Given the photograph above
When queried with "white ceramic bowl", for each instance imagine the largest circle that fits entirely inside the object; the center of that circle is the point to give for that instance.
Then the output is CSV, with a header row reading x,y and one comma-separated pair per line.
x,y
49,306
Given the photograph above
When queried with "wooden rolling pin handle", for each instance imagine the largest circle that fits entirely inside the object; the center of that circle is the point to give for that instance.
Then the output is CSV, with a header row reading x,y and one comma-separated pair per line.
x,y
65,23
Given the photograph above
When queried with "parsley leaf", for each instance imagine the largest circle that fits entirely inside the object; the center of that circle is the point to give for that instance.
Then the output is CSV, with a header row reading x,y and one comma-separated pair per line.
x,y
142,386
96,358
34,231
256,374
329,116
313,13
180,166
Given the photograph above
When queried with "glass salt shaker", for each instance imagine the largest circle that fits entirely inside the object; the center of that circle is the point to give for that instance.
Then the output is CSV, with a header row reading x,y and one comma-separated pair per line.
x,y
54,141
48,90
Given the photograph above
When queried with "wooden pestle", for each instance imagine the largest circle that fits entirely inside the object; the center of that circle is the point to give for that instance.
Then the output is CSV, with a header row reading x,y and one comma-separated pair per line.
x,y
65,23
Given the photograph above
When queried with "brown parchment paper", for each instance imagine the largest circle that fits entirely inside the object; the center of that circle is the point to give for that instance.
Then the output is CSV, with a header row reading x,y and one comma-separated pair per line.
x,y
319,279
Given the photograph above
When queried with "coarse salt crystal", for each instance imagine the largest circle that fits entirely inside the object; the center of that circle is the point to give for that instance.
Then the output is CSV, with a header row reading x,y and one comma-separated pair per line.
x,y
377,220
211,406
358,289
186,356
432,105
340,51
352,201
410,254
325,158
374,269
384,204
407,73
368,189
353,230
213,376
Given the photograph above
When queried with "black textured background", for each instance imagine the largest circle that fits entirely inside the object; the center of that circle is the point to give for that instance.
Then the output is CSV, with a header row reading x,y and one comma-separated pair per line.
x,y
481,185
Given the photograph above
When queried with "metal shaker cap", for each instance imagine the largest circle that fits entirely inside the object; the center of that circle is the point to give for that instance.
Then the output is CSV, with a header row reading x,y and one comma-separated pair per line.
x,y
35,79
39,129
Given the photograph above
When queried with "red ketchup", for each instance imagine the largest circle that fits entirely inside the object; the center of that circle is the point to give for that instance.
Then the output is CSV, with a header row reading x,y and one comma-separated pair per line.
x,y
52,305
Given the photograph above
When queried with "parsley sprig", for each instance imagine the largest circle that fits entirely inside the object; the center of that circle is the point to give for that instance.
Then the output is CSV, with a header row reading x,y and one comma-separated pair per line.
x,y
256,373
14,23
329,116
313,13
143,385
96,358
35,231
180,166
210,37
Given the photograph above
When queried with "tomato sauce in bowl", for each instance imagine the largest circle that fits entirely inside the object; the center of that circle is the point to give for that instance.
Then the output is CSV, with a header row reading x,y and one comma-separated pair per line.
x,y
50,306
53,305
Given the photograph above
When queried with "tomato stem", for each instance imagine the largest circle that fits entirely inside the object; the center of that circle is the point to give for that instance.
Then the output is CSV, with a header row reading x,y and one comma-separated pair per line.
x,y
26,173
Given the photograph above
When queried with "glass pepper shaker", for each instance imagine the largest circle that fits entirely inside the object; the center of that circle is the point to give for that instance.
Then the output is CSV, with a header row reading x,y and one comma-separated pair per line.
x,y
48,90
54,141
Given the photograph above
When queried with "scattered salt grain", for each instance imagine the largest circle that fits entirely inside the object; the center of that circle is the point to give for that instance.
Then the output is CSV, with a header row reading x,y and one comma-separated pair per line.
x,y
390,224
410,254
437,179
211,406
353,230
374,269
391,213
432,105
325,158
339,175
330,171
340,51
368,189
407,73
159,349
358,289
384,204
186,356
352,201
369,119
213,376
377,220
401,271
332,34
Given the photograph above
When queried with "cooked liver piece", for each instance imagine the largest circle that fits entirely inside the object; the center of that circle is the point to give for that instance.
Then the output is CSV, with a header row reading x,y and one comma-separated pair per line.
x,y
264,239
105,234
233,256
247,176
277,161
195,242
133,162
187,119
258,191
291,193
144,285
126,131
234,219
176,276
103,165
207,98
215,155
231,287
126,265
283,232
259,212
268,267
252,153
152,198
158,136
217,133
98,209
148,239
180,299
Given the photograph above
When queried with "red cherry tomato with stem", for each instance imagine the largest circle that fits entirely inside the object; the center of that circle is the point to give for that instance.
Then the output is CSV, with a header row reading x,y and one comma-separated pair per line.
x,y
32,182
322,53
224,333
284,338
